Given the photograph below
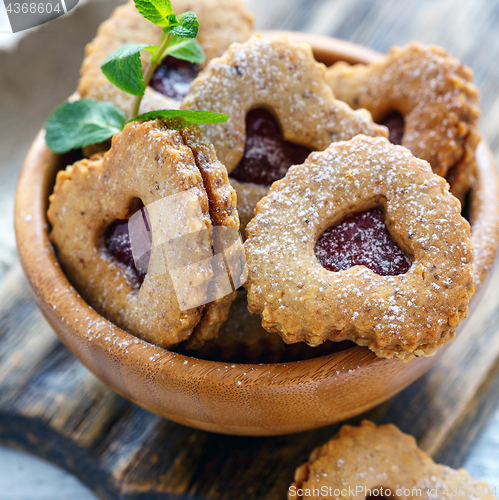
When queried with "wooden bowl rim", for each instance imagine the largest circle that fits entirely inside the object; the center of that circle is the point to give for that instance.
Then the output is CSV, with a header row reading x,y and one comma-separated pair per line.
x,y
41,267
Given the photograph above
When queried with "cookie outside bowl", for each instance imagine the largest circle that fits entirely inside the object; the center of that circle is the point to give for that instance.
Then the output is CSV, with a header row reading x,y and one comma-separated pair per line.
x,y
244,399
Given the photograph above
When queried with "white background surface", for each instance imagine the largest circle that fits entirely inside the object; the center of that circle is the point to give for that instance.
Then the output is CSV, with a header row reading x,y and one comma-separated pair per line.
x,y
23,477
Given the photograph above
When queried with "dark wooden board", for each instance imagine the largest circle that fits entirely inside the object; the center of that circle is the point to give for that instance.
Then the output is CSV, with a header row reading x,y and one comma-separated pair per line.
x,y
52,406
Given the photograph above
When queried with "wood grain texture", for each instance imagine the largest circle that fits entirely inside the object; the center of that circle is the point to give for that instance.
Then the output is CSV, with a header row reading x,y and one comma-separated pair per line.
x,y
138,455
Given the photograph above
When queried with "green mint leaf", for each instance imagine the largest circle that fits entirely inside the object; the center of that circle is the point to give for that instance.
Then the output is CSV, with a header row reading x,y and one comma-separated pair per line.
x,y
74,125
156,11
189,21
186,27
185,117
123,68
186,49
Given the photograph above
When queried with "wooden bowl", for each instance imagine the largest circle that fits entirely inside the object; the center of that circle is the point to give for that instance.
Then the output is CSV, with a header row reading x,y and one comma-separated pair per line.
x,y
245,399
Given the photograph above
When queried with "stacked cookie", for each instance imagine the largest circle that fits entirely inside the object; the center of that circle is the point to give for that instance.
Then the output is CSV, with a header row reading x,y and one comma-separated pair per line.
x,y
191,221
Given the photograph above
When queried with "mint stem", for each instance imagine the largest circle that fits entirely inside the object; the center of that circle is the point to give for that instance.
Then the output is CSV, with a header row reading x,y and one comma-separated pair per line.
x,y
156,58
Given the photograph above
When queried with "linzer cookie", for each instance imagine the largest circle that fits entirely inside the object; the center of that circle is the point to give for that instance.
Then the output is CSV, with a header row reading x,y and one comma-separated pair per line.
x,y
161,282
427,100
221,23
379,462
321,268
280,109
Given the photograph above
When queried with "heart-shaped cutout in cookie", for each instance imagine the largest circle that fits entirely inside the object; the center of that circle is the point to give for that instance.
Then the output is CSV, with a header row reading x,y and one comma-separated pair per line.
x,y
361,240
267,156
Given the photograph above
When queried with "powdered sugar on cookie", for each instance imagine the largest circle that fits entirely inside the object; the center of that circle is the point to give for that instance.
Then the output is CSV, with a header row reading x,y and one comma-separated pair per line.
x,y
405,315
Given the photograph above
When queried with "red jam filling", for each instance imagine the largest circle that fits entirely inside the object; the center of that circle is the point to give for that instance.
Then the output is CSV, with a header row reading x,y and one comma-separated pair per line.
x,y
267,156
394,121
118,242
361,239
173,77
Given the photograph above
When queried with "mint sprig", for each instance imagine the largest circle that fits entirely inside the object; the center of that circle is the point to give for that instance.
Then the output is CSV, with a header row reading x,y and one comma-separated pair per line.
x,y
124,67
81,123
178,39
77,124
